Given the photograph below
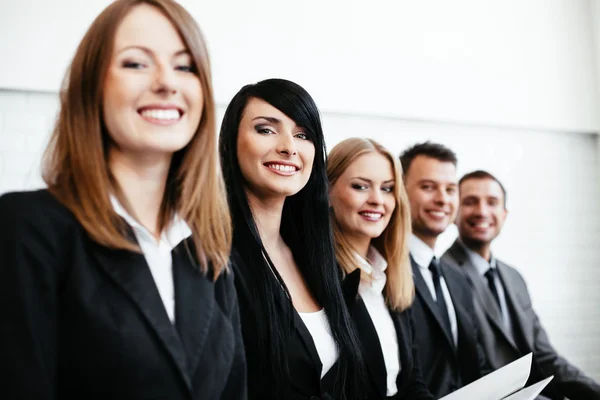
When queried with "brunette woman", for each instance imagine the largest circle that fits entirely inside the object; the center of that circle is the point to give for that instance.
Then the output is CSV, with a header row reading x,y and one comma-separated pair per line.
x,y
114,280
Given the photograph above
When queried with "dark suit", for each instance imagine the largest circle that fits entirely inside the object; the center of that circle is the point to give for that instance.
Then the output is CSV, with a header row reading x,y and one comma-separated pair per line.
x,y
302,357
444,366
409,383
502,347
80,320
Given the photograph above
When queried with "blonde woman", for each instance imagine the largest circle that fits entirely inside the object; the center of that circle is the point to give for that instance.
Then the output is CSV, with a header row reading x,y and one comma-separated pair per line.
x,y
371,225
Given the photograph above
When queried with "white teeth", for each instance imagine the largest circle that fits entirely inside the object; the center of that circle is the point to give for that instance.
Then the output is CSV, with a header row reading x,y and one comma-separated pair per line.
x,y
483,225
437,213
371,215
283,168
164,115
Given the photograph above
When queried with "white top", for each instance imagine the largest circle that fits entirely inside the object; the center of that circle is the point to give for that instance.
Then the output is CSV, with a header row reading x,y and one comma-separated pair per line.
x,y
158,253
423,254
482,267
372,295
318,326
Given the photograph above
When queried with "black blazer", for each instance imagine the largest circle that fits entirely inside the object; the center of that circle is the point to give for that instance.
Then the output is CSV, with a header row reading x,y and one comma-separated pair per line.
x,y
84,321
446,367
303,359
409,381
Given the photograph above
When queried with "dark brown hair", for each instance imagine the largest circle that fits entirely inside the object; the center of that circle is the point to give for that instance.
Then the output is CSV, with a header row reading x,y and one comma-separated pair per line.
x,y
481,174
427,149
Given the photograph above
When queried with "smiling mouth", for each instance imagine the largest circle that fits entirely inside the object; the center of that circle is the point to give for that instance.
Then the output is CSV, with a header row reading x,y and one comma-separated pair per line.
x,y
160,116
437,214
480,225
282,169
371,216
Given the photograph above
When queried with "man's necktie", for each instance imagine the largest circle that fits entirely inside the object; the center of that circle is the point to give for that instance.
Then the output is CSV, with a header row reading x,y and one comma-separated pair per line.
x,y
490,276
441,302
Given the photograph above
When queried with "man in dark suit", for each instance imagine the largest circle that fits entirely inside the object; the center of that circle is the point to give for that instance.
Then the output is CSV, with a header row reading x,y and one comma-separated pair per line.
x,y
443,313
510,327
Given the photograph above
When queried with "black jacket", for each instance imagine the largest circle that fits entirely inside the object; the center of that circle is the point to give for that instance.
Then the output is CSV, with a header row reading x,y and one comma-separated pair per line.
x,y
409,381
446,367
302,357
80,320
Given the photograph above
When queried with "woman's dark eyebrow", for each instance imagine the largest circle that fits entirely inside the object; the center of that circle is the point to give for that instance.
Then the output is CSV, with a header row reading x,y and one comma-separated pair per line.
x,y
272,120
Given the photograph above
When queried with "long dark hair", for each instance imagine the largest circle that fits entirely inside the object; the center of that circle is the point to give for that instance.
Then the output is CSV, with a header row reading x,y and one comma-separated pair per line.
x,y
305,228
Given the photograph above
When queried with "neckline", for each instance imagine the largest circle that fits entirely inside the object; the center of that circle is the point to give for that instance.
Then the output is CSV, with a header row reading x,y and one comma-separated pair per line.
x,y
313,313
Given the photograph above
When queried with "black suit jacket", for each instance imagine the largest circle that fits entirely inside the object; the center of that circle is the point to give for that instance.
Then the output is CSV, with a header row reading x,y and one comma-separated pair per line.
x,y
446,367
409,381
80,320
302,357
503,347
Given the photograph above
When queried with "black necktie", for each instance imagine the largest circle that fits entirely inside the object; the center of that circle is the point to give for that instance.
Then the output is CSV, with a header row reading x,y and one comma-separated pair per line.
x,y
490,276
441,302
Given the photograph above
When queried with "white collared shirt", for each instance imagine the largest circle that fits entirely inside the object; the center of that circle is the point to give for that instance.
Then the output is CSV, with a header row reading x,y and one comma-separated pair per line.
x,y
372,295
482,267
158,253
423,254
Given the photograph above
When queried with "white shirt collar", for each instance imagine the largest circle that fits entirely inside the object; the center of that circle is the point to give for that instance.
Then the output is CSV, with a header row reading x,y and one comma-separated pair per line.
x,y
479,262
375,265
174,233
421,252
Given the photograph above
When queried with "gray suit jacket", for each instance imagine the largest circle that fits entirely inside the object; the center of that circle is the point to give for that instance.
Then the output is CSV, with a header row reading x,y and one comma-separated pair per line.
x,y
502,347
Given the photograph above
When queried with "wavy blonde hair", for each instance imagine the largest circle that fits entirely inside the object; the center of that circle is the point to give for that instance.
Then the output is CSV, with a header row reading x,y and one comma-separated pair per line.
x,y
75,162
393,242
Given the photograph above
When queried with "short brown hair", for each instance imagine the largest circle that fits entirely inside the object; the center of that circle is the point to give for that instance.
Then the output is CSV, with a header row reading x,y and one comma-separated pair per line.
x,y
427,149
75,164
481,174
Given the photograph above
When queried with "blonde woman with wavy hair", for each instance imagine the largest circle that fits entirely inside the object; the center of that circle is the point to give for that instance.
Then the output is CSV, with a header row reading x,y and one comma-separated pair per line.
x,y
114,279
371,223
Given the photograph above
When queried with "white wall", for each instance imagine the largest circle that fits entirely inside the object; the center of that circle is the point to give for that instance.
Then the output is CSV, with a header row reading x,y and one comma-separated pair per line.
x,y
505,62
551,234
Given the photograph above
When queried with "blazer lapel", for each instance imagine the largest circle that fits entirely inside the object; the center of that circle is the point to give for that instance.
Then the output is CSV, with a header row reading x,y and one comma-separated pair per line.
x,y
424,293
130,271
482,292
194,304
365,330
520,321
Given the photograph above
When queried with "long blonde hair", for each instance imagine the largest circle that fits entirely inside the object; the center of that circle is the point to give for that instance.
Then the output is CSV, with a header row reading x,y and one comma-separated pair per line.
x,y
393,242
75,162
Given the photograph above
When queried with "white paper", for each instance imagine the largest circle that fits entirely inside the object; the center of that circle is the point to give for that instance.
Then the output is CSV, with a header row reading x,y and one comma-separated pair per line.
x,y
531,392
498,384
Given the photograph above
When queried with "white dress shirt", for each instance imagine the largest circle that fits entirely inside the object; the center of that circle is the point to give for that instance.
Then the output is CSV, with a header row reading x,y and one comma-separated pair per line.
x,y
372,295
423,254
158,253
482,267
318,326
